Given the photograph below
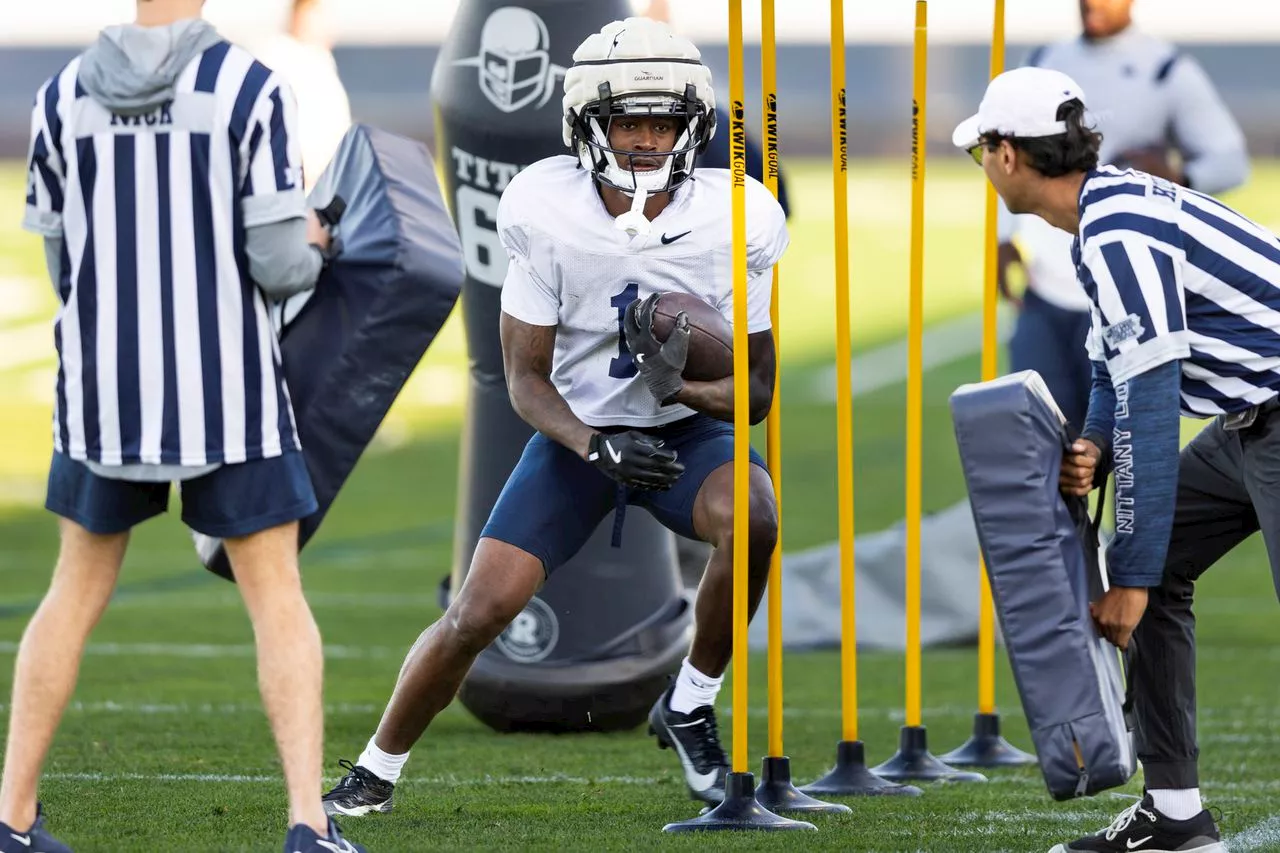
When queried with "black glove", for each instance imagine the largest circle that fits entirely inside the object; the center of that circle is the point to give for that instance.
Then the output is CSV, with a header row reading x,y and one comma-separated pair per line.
x,y
659,364
635,459
330,215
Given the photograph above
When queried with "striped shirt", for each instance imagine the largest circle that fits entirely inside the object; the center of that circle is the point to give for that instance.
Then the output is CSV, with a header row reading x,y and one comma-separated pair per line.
x,y
166,353
1172,274
1141,92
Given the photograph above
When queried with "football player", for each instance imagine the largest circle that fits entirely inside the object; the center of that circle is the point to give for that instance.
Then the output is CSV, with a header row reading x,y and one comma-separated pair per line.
x,y
592,239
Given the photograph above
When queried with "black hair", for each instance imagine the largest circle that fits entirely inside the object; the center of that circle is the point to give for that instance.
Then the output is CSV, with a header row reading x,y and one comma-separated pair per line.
x,y
1076,150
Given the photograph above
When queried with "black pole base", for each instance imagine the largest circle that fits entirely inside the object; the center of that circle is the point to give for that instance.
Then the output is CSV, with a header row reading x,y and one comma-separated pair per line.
x,y
777,794
914,762
851,778
738,811
986,748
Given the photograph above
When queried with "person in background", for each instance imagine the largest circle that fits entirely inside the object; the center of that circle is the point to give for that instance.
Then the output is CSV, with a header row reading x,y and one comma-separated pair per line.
x,y
163,176
1158,113
303,56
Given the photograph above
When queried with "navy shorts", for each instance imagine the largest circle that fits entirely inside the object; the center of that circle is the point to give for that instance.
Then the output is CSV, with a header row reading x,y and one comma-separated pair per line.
x,y
1050,341
232,500
554,500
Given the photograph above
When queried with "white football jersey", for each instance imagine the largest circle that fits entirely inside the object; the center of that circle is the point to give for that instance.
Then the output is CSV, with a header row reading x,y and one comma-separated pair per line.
x,y
572,268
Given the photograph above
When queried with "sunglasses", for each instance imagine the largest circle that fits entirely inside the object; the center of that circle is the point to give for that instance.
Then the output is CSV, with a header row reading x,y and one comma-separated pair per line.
x,y
975,151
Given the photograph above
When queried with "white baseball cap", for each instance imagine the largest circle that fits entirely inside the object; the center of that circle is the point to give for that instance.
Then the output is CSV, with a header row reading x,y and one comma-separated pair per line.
x,y
1023,102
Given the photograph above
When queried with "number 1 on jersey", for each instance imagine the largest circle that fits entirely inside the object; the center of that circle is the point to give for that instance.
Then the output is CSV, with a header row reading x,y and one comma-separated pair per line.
x,y
624,366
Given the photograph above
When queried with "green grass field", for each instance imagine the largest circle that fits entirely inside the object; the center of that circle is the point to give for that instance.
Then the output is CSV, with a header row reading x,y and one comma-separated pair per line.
x,y
166,748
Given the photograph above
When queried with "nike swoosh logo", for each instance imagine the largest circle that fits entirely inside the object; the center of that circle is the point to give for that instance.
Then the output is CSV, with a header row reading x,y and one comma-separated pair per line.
x,y
668,240
1134,844
613,454
24,840
697,781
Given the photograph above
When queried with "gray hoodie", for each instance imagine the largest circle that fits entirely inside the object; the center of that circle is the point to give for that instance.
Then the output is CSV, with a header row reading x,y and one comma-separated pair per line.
x,y
131,70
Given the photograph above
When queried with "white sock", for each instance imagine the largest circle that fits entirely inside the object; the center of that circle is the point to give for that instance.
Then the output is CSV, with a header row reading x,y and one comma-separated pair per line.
x,y
384,765
1177,803
693,689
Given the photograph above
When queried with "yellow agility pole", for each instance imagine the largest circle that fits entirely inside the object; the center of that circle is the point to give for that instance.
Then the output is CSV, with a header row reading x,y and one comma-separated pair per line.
x,y
915,369
844,380
913,760
986,608
850,775
986,747
776,792
773,424
741,390
739,810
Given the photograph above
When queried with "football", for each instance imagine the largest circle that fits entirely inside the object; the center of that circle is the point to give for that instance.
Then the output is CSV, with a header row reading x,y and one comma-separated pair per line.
x,y
710,335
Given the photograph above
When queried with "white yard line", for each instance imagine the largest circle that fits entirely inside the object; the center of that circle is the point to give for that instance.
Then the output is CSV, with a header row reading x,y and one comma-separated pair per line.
x,y
148,709
1262,836
19,297
423,780
23,346
111,706
173,600
211,650
886,365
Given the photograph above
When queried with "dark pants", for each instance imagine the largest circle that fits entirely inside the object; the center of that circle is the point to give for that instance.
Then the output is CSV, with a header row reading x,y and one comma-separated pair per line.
x,y
1228,488
1050,341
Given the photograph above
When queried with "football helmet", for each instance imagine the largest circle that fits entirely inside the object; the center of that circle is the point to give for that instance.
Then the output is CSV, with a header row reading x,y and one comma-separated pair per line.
x,y
637,67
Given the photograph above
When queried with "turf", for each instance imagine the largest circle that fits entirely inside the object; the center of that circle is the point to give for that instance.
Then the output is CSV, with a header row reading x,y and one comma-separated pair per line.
x,y
166,747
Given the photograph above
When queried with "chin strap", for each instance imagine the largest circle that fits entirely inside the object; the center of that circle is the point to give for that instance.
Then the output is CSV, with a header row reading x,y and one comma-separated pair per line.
x,y
634,221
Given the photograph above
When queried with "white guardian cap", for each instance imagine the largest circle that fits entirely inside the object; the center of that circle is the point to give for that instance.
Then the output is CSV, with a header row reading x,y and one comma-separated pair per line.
x,y
637,67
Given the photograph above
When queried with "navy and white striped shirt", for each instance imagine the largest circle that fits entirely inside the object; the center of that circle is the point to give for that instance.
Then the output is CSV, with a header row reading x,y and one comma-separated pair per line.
x,y
1173,274
166,354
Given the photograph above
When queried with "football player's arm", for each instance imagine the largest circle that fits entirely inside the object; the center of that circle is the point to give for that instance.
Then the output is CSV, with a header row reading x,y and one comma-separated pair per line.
x,y
527,352
716,398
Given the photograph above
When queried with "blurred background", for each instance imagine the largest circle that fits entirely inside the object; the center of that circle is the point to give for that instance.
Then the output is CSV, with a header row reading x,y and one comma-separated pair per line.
x,y
384,51
177,637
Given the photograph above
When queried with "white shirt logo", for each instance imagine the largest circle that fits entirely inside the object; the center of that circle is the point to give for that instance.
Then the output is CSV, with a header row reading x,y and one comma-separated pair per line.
x,y
24,840
1129,328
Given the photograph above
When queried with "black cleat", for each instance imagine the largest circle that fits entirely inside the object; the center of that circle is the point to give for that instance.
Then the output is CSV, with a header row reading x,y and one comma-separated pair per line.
x,y
304,839
358,793
35,840
696,740
1142,829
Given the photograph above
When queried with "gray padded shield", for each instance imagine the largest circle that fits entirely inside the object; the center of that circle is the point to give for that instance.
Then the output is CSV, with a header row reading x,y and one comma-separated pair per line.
x,y
1041,558
349,345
